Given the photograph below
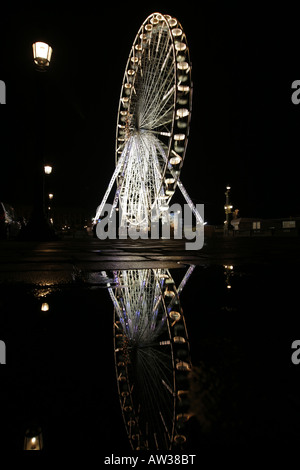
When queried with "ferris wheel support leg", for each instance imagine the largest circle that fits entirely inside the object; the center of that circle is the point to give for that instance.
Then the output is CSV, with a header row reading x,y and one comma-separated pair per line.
x,y
112,295
182,188
190,203
116,198
185,278
181,286
114,300
111,183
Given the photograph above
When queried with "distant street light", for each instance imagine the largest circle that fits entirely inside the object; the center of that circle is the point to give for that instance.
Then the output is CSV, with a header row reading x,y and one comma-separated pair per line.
x,y
50,196
41,55
48,169
228,209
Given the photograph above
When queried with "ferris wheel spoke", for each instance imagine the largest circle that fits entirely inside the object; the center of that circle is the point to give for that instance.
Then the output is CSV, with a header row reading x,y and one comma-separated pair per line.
x,y
153,69
156,167
156,104
154,91
159,119
143,171
158,115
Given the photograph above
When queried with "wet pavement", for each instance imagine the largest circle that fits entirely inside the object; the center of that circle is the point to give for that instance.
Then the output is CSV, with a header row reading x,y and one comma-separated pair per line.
x,y
57,260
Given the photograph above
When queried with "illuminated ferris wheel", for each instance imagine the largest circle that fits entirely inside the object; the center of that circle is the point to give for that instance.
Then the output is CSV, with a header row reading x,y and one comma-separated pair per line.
x,y
152,124
152,357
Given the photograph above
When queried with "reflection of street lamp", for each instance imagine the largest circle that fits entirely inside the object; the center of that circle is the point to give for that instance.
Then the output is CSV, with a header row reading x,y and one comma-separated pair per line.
x,y
228,273
33,439
45,307
228,209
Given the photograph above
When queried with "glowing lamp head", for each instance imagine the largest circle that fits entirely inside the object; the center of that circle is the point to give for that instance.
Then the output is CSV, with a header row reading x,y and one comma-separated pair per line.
x,y
48,169
33,439
41,55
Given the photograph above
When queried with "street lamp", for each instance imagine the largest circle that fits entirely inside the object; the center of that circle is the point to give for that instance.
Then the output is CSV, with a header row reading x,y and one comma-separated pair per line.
x,y
47,169
41,55
38,227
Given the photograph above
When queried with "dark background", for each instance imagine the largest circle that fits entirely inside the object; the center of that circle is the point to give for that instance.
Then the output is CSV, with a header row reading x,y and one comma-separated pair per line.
x,y
244,128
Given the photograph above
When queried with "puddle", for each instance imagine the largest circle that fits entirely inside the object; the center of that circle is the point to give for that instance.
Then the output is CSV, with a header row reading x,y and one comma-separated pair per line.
x,y
151,359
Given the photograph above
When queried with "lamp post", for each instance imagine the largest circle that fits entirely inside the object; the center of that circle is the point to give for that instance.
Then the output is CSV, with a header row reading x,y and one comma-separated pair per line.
x,y
38,227
228,209
47,171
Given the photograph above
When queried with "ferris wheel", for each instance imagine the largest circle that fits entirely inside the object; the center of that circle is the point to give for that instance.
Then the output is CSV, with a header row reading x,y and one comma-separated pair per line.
x,y
152,357
153,123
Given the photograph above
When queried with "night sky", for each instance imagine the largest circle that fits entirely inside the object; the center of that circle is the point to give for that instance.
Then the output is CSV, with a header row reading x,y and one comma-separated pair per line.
x,y
244,128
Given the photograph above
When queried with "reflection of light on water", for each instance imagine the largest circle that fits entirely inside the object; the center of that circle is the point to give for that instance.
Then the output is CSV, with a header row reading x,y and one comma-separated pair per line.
x,y
45,307
228,274
139,304
43,289
33,439
42,292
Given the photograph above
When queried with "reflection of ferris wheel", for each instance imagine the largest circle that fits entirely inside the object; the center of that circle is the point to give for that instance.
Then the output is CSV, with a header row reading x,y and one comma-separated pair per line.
x,y
153,122
152,357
